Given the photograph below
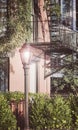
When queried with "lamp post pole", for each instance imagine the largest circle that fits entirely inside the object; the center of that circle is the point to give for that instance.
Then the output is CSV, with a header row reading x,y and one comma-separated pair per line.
x,y
25,55
26,80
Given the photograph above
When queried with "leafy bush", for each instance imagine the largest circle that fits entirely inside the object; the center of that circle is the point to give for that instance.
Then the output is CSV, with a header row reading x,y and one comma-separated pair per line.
x,y
36,109
60,113
7,119
45,112
14,96
74,111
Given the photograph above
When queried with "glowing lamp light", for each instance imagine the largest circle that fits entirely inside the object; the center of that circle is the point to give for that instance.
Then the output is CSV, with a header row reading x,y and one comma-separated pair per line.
x,y
25,54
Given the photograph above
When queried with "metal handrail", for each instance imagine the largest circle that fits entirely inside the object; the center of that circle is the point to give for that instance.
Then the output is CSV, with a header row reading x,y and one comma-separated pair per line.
x,y
66,35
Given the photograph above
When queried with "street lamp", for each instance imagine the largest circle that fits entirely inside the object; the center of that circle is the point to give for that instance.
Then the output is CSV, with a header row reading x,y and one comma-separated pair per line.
x,y
25,55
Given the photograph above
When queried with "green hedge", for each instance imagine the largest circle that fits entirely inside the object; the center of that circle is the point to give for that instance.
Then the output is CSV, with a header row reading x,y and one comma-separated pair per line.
x,y
7,119
74,111
53,113
44,112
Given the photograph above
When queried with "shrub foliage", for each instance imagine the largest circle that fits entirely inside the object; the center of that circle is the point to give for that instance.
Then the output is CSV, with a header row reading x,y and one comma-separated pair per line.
x,y
48,112
7,119
56,112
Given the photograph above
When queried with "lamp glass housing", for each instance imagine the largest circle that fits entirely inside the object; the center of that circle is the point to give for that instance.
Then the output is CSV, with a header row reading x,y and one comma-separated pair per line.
x,y
25,55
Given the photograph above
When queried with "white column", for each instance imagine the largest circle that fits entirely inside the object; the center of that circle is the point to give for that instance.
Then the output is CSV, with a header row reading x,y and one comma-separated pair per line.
x,y
33,78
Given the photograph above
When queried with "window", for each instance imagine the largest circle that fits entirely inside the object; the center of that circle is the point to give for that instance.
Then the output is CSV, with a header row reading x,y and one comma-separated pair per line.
x,y
35,20
4,74
76,14
67,12
3,17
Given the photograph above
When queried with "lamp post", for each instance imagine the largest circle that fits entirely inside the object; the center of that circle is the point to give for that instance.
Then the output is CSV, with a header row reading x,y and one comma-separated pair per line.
x,y
25,58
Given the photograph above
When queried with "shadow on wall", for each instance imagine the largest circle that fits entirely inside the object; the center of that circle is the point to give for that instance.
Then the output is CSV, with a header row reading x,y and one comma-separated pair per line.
x,y
11,69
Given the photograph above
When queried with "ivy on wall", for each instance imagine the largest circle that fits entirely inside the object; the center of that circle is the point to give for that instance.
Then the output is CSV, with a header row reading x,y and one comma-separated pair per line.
x,y
18,25
55,8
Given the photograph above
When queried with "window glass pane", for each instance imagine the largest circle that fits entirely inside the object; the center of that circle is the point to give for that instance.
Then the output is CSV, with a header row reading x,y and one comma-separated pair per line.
x,y
67,7
76,14
3,17
4,74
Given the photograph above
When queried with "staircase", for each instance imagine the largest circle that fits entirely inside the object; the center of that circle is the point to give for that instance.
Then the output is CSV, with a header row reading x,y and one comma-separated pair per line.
x,y
64,39
53,21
